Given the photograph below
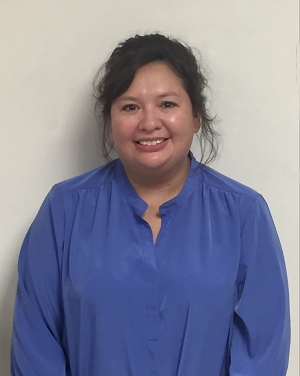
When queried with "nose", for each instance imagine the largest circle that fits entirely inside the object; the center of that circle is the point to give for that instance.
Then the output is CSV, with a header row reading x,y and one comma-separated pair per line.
x,y
150,120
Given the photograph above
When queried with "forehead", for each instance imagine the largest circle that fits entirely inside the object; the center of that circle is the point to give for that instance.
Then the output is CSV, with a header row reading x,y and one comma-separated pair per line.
x,y
156,77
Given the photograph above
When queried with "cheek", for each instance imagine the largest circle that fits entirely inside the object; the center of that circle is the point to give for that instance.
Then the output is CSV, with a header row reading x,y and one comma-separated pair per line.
x,y
176,122
182,124
116,124
120,130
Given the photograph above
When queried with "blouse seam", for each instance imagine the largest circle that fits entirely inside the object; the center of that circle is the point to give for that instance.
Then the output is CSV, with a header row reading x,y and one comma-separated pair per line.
x,y
56,186
64,214
253,196
254,201
74,190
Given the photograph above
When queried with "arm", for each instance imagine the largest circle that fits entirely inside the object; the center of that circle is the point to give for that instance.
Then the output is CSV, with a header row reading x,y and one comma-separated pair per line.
x,y
38,318
261,329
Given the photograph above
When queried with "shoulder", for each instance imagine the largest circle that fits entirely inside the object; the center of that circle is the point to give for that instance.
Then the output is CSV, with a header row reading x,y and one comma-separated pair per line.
x,y
90,183
225,194
93,179
64,197
217,181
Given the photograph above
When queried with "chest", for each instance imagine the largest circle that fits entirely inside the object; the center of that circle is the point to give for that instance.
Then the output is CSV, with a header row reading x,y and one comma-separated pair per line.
x,y
111,260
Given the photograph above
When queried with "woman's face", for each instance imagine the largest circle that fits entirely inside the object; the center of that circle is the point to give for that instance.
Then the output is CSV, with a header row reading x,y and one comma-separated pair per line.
x,y
152,123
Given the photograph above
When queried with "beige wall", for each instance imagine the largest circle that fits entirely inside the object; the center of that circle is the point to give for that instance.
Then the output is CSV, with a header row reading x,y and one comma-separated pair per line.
x,y
50,51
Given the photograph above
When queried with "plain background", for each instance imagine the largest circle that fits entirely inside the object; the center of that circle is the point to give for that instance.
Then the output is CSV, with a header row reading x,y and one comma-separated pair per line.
x,y
50,51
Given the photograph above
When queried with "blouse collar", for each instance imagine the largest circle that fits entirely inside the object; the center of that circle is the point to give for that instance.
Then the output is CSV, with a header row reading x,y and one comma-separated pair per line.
x,y
140,206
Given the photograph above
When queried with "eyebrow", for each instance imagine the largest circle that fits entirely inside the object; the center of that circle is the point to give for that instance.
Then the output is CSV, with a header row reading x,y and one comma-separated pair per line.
x,y
168,94
134,99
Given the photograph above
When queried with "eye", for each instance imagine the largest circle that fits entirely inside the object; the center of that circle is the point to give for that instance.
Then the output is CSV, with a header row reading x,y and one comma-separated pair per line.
x,y
129,107
168,104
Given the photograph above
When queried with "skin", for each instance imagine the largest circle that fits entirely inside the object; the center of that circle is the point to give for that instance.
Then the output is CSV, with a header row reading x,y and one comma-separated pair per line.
x,y
152,126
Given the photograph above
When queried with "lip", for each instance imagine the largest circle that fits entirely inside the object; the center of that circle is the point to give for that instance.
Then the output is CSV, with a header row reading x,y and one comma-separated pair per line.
x,y
152,148
151,138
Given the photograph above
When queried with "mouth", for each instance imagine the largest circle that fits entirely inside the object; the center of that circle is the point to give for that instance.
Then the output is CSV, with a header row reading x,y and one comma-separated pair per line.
x,y
151,142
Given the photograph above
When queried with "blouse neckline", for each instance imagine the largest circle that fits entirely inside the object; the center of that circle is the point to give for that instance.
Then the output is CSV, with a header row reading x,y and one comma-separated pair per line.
x,y
140,206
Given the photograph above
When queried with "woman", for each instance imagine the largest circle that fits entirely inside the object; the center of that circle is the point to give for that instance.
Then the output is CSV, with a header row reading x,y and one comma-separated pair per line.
x,y
153,264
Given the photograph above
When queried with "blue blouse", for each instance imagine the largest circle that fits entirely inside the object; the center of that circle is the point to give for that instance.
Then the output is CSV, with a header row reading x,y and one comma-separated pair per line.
x,y
96,297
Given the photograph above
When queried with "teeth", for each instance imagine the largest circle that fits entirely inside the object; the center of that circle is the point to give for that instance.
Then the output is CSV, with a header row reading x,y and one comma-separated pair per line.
x,y
155,142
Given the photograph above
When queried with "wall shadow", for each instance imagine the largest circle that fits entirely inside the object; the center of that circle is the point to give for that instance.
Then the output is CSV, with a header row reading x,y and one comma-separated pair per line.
x,y
7,307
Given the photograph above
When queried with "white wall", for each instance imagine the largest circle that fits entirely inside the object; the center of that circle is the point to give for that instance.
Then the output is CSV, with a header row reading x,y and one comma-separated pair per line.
x,y
50,51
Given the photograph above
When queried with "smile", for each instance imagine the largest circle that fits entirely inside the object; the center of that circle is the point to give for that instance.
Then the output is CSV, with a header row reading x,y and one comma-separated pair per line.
x,y
152,142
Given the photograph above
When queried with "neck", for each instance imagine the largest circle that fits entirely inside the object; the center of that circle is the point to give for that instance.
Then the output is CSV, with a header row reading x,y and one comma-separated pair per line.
x,y
156,188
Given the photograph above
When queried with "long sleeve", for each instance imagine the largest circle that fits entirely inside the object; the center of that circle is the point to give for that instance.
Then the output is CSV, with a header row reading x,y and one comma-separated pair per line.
x,y
261,328
38,319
